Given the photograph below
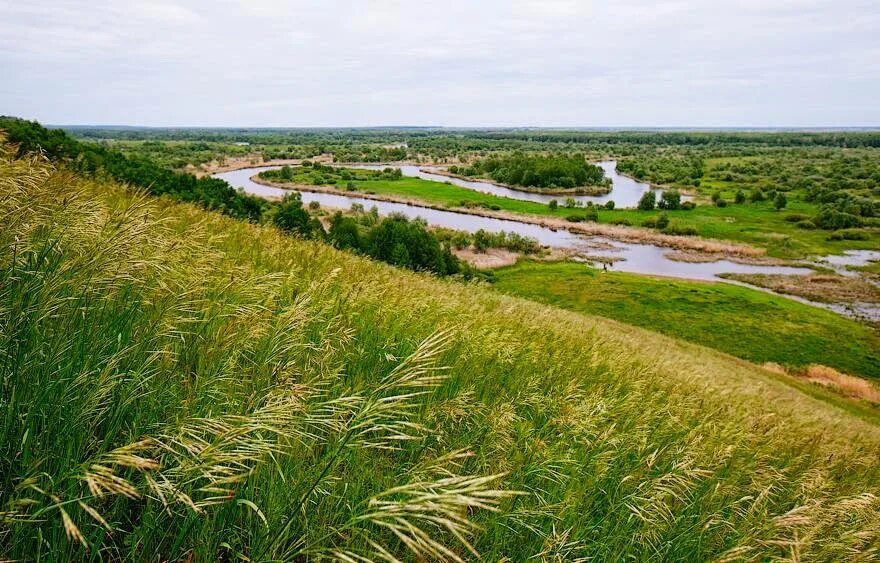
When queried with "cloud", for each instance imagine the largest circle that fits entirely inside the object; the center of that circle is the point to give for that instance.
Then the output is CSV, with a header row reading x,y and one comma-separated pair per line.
x,y
495,62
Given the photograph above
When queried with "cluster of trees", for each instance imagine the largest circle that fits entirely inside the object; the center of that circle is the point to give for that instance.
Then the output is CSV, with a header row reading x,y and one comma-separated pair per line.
x,y
394,239
679,169
90,158
538,171
669,199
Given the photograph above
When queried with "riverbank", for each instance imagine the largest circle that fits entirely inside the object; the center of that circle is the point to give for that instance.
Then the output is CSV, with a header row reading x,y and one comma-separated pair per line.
x,y
718,249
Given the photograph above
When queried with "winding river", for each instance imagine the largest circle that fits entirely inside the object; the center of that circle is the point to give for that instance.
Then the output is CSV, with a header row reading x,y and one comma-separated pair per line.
x,y
627,257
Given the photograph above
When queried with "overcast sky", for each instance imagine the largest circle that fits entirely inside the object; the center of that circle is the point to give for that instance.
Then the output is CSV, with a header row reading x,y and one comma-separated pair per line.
x,y
449,62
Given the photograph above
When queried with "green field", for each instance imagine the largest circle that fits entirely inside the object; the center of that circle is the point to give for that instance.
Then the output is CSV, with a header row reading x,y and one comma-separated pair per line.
x,y
180,385
746,323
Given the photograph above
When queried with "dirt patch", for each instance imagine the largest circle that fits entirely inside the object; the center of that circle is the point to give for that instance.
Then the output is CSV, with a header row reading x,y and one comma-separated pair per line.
x,y
826,288
490,259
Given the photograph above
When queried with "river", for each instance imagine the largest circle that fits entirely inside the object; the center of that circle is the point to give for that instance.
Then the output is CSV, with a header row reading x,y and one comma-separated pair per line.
x,y
628,257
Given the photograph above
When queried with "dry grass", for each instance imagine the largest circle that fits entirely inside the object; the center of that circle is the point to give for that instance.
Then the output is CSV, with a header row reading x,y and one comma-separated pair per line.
x,y
847,385
177,385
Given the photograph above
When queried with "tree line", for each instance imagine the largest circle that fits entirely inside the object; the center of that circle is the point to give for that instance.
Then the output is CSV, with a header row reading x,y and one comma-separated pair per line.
x,y
395,239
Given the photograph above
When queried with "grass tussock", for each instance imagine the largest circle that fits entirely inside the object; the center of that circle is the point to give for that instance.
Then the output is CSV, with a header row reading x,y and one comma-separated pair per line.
x,y
179,385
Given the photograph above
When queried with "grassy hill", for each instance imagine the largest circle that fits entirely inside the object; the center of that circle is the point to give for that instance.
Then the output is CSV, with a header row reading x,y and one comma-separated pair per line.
x,y
749,324
176,384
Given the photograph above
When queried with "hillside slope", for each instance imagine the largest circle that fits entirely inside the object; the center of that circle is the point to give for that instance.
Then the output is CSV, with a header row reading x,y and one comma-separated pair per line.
x,y
178,384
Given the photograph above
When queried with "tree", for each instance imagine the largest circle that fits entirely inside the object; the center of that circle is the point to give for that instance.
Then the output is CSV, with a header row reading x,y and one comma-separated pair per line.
x,y
648,201
291,217
780,201
344,232
670,199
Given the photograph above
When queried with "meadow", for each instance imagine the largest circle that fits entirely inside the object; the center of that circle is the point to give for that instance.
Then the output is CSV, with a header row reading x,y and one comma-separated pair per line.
x,y
179,384
753,325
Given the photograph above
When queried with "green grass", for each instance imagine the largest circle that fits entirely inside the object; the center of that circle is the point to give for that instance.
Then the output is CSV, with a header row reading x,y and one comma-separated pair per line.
x,y
175,384
746,323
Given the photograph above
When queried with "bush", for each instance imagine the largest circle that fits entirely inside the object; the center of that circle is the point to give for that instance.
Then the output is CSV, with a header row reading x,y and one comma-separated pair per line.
x,y
552,204
756,196
592,214
621,221
721,202
780,201
574,218
609,205
670,199
796,217
849,234
650,222
688,205
648,201
740,197
680,230
662,221
832,219
808,225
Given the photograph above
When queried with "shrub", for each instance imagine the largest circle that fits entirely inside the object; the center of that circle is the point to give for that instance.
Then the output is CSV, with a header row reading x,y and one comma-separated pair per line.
x,y
650,222
662,221
796,217
756,196
670,199
849,234
780,201
807,224
832,219
648,201
688,205
592,214
621,221
721,202
570,203
740,197
680,230
553,204
609,205
573,218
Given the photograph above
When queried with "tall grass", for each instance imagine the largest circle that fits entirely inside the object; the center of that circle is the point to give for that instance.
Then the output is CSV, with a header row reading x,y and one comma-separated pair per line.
x,y
180,385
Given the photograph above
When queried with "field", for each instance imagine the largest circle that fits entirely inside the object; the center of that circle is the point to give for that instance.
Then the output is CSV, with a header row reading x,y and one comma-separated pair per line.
x,y
749,324
181,385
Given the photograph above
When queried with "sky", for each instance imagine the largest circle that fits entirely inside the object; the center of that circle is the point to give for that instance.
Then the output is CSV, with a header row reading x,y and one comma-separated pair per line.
x,y
490,63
